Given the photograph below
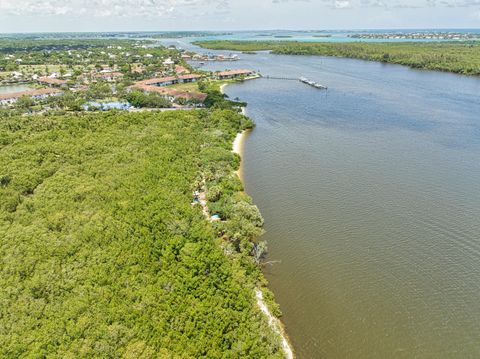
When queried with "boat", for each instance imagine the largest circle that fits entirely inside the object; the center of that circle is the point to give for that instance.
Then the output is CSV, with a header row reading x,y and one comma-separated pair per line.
x,y
312,83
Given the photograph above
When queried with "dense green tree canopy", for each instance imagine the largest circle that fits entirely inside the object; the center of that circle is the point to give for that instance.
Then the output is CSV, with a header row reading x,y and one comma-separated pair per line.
x,y
102,253
463,58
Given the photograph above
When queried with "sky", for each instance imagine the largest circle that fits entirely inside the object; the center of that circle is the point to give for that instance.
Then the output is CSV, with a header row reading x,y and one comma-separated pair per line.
x,y
162,15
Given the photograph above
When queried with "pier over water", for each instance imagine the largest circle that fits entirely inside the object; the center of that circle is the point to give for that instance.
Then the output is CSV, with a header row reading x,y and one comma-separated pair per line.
x,y
301,79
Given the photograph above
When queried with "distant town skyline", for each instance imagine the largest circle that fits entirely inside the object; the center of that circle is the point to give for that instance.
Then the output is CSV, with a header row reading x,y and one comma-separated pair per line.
x,y
164,15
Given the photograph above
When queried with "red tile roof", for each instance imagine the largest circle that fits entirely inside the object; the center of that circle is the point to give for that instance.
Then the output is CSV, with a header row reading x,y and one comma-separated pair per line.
x,y
189,77
31,93
156,80
235,72
51,81
171,92
181,69
167,79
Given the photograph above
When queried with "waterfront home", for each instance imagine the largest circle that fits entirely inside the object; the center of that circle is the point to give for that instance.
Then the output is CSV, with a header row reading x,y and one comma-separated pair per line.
x,y
10,98
189,78
231,74
159,85
170,93
159,81
170,80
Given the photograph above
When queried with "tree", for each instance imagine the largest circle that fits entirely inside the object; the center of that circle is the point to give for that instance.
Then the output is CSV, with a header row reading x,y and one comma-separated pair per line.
x,y
149,100
11,67
259,251
99,90
24,103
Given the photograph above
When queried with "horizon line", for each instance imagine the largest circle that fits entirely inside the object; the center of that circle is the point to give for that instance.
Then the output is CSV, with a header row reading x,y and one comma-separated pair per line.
x,y
240,30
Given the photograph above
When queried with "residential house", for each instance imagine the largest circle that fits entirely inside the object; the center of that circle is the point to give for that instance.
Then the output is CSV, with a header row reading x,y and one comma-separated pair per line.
x,y
168,62
170,80
170,93
230,74
52,82
109,76
10,98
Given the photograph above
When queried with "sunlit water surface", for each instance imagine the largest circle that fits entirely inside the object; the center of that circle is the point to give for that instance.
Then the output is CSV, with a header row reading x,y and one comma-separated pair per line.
x,y
7,89
371,196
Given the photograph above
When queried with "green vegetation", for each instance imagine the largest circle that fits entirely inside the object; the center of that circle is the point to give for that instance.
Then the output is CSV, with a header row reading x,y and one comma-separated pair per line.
x,y
141,99
186,87
462,58
8,45
215,98
102,253
80,57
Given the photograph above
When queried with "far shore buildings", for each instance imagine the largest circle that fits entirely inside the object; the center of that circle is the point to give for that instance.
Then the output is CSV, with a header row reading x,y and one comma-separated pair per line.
x,y
11,98
231,74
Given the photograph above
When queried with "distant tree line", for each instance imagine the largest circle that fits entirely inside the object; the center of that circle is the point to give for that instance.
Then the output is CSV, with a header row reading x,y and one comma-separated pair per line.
x,y
462,58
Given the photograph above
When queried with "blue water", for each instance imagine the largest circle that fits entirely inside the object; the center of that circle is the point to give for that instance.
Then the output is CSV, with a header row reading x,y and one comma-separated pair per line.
x,y
309,35
105,106
371,196
7,89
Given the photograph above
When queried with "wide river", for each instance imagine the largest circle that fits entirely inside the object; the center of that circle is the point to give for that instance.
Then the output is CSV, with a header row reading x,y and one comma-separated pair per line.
x,y
371,196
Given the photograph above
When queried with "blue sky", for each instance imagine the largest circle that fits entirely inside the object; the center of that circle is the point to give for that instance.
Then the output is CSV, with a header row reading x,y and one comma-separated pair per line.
x,y
131,15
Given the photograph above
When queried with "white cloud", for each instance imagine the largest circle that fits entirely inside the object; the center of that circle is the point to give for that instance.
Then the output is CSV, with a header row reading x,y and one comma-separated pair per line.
x,y
342,4
476,15
173,8
394,4
105,8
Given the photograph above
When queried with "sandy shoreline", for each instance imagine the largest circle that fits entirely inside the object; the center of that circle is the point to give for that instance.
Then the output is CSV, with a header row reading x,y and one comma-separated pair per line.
x,y
274,322
238,147
239,143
